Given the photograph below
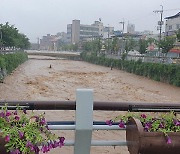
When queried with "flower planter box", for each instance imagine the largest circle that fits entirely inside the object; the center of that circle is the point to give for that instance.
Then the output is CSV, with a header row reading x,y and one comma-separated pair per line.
x,y
2,146
141,142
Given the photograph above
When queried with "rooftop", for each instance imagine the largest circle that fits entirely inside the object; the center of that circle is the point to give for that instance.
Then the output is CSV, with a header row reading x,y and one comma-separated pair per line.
x,y
174,16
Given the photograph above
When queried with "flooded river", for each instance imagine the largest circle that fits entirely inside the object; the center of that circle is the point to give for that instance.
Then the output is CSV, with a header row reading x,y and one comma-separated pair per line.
x,y
35,80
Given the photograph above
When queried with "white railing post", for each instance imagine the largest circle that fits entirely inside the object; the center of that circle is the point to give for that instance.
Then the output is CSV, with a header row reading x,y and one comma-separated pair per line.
x,y
84,121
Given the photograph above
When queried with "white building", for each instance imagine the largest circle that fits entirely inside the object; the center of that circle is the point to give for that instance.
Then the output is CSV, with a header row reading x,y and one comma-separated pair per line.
x,y
77,32
172,24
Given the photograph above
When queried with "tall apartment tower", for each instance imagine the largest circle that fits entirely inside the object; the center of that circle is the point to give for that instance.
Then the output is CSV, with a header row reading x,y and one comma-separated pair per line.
x,y
75,31
130,28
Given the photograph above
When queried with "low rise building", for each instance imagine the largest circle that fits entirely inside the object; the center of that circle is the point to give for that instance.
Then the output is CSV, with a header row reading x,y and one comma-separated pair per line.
x,y
172,24
51,42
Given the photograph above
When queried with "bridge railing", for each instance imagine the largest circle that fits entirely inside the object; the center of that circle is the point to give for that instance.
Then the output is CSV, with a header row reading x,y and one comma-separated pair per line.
x,y
84,124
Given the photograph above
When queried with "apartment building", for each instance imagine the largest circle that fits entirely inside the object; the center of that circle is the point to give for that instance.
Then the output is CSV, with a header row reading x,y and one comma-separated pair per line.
x,y
77,32
172,24
131,28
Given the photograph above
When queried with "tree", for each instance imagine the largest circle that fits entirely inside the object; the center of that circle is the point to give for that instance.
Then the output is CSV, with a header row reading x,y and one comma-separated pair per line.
x,y
143,44
115,45
12,38
151,41
129,44
166,44
178,35
75,47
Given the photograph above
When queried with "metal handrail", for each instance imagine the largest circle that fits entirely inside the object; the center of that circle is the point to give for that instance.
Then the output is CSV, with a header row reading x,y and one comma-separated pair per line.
x,y
84,124
98,105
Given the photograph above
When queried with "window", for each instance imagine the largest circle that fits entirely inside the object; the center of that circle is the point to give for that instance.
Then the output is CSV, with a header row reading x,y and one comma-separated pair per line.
x,y
177,26
170,27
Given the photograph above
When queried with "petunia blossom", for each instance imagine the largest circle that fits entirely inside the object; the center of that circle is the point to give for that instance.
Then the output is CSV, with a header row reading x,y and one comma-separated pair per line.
x,y
21,134
169,141
7,138
8,114
122,124
143,116
17,118
109,122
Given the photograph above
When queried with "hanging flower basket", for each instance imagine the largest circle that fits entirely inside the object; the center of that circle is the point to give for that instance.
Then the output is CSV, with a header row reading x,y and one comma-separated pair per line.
x,y
27,133
143,142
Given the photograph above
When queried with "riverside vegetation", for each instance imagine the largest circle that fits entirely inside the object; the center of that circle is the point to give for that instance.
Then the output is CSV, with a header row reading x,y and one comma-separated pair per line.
x,y
8,62
168,73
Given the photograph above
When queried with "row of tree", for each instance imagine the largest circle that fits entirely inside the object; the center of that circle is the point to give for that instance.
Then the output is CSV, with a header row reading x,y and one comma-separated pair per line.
x,y
159,72
11,37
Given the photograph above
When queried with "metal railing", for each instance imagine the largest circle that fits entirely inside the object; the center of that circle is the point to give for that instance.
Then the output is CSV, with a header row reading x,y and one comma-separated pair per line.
x,y
84,124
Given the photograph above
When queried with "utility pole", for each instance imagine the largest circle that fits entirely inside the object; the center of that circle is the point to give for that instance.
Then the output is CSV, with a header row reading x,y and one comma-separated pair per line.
x,y
1,42
160,23
122,22
108,38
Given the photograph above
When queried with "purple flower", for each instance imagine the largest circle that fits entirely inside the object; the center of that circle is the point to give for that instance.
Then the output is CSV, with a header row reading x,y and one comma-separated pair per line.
x,y
17,118
7,138
8,114
109,122
21,134
24,110
143,116
45,148
15,112
16,151
30,145
47,127
147,126
169,141
2,114
176,122
43,121
50,145
61,141
55,145
36,149
121,124
161,125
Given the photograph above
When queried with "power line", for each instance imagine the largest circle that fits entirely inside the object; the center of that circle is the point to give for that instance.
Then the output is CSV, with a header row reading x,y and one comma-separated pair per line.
x,y
172,9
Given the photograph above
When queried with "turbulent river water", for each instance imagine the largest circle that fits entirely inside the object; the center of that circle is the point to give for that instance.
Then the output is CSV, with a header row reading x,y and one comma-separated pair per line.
x,y
35,80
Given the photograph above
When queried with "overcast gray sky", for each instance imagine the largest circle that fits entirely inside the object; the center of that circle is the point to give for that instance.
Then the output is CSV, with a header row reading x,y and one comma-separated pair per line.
x,y
36,18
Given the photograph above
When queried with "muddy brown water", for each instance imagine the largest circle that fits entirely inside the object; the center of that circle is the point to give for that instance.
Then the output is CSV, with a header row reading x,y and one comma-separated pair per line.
x,y
35,80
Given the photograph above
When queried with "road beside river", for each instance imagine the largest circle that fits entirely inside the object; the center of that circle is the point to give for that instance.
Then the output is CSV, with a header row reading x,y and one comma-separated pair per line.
x,y
35,80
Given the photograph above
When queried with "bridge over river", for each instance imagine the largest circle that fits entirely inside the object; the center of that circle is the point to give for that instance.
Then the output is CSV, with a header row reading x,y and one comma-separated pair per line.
x,y
57,54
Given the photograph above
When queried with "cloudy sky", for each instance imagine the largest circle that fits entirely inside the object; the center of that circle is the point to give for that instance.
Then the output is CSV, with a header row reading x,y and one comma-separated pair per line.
x,y
36,18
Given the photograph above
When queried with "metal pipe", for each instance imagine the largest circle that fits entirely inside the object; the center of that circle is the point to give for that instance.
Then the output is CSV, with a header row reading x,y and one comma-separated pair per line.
x,y
108,143
95,127
99,143
61,127
103,127
103,106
